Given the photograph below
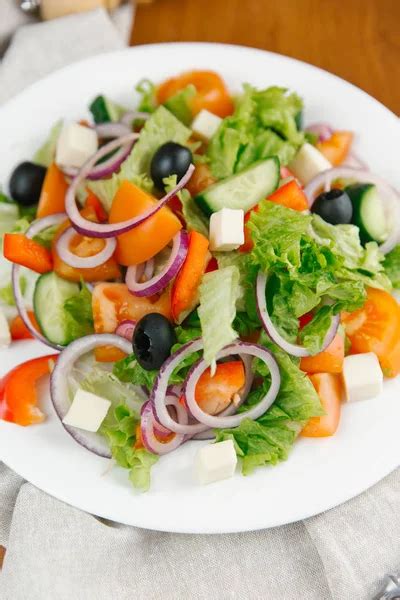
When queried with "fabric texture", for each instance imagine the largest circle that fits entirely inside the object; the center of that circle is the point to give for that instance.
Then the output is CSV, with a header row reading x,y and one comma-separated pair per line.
x,y
57,552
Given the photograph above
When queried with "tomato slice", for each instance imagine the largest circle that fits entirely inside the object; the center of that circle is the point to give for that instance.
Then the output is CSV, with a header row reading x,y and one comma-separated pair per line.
x,y
150,237
329,389
201,179
211,95
376,328
52,196
18,398
337,147
328,361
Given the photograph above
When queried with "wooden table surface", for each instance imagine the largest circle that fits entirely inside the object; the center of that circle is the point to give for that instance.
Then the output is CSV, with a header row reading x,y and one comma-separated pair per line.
x,y
358,40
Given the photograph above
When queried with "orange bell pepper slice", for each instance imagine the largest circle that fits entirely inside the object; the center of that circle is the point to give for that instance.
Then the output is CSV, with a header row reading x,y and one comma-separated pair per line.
x,y
84,246
52,196
184,295
147,239
337,147
211,92
26,252
19,330
329,389
214,393
18,396
328,361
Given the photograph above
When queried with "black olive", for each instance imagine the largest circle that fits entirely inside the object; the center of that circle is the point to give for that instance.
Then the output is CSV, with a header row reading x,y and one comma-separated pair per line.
x,y
152,341
170,159
334,207
26,183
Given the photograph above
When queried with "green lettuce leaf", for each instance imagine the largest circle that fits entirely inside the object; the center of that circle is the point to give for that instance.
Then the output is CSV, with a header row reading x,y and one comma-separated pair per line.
x,y
268,440
147,92
160,128
219,292
46,236
179,104
392,266
44,156
7,293
263,124
78,313
193,215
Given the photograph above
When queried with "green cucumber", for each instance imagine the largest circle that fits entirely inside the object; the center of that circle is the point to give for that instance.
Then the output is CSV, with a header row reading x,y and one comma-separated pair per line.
x,y
49,297
243,190
104,110
368,212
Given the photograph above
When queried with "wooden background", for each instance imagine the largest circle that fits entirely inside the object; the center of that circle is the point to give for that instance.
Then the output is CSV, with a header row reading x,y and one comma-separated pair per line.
x,y
358,40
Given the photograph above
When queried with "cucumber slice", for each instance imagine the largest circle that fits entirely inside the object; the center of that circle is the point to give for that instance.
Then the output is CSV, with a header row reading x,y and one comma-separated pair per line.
x,y
244,190
104,110
368,212
49,297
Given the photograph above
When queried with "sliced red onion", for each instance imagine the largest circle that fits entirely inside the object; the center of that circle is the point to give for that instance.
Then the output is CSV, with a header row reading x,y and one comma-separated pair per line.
x,y
148,428
131,115
93,442
34,229
161,280
112,130
148,270
105,230
224,421
83,262
322,130
390,196
293,349
354,162
105,168
126,328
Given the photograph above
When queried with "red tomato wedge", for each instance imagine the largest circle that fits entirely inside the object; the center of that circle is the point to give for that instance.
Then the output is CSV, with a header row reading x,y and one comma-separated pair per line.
x,y
328,361
201,179
211,92
329,389
337,147
18,397
215,393
84,246
26,252
147,239
113,303
184,296
52,196
376,328
19,330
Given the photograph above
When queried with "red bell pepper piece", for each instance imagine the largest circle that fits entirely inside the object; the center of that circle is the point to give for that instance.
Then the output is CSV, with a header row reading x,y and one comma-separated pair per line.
x,y
93,202
18,398
19,330
26,252
184,294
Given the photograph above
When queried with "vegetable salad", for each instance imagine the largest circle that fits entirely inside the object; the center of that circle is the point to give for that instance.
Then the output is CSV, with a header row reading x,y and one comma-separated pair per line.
x,y
202,267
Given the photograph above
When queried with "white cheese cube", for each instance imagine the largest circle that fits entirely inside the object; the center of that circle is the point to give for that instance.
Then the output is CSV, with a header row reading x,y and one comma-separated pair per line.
x,y
87,411
5,336
205,124
226,229
308,163
75,145
362,376
215,462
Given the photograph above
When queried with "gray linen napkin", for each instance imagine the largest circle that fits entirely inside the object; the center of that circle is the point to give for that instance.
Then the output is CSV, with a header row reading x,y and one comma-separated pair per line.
x,y
57,552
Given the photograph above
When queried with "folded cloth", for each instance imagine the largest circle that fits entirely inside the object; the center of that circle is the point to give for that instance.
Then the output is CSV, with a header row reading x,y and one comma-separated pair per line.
x,y
57,552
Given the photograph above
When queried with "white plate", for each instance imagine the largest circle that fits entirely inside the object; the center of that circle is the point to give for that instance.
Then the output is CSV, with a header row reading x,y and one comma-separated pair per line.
x,y
319,474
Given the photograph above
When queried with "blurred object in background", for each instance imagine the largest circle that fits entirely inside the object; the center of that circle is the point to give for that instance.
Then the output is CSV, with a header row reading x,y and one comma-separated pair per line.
x,y
51,9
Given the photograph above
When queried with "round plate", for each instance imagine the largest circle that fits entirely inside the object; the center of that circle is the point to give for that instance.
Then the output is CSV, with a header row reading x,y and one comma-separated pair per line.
x,y
319,474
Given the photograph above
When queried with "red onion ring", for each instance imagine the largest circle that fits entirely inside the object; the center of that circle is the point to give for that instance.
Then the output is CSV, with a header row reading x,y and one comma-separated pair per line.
x,y
389,195
131,115
80,262
322,130
33,230
125,329
354,162
105,230
293,349
220,421
93,442
106,168
112,130
161,280
149,427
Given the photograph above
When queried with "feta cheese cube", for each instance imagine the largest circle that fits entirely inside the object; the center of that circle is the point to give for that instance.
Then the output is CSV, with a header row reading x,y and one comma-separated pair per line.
x,y
226,229
362,376
215,462
5,336
308,163
205,124
87,411
75,145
